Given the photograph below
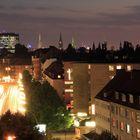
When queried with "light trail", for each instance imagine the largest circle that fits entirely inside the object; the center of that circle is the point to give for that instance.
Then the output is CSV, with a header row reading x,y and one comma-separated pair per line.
x,y
12,98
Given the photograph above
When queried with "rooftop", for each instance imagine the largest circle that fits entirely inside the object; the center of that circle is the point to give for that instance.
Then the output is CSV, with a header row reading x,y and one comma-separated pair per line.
x,y
126,83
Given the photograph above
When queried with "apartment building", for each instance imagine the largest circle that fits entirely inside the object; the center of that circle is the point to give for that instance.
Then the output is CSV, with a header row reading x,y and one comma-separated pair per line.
x,y
53,73
83,80
118,106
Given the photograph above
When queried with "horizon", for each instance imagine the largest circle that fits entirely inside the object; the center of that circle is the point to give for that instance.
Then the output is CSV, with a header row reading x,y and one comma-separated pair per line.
x,y
86,21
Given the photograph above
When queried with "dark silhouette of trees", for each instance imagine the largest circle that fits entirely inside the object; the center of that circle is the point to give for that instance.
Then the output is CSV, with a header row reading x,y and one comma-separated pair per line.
x,y
22,127
20,50
45,106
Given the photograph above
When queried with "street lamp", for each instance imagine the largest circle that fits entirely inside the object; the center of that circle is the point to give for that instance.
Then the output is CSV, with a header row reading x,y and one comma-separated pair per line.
x,y
11,137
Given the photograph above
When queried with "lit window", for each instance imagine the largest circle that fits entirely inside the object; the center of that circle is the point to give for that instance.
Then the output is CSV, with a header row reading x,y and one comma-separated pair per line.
x,y
138,133
131,100
93,109
59,76
117,95
111,68
113,122
123,97
81,114
71,102
89,66
111,77
119,67
132,116
69,71
71,95
105,94
129,67
68,82
68,90
121,125
138,117
127,128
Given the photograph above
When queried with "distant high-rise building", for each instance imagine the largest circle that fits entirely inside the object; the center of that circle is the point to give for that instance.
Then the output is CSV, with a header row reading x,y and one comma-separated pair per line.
x,y
60,42
8,41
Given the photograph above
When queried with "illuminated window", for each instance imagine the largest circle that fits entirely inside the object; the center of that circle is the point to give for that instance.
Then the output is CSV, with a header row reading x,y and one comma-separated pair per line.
x,y
111,77
123,97
138,117
138,133
69,71
127,128
131,100
71,102
105,94
111,68
59,76
121,125
129,67
71,95
81,114
119,67
93,109
113,122
68,90
132,116
89,66
68,82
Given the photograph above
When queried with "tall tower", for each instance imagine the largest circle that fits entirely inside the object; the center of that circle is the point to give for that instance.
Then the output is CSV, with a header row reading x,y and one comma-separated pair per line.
x,y
73,43
39,42
60,45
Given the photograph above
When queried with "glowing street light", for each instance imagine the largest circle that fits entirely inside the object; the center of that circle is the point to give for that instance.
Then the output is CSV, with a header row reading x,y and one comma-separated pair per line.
x,y
11,137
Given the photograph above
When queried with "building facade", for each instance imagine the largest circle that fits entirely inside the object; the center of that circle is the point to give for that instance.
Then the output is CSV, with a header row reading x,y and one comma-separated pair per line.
x,y
82,82
8,41
118,106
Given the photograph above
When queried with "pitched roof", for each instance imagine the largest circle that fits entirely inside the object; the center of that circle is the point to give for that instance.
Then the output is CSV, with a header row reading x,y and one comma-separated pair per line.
x,y
124,83
55,69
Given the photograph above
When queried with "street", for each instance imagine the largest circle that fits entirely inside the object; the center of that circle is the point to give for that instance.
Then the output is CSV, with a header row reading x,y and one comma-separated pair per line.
x,y
11,98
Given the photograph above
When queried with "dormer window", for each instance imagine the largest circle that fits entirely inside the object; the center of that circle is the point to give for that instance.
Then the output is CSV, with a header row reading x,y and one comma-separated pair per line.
x,y
129,67
116,95
123,97
131,99
111,68
119,67
105,94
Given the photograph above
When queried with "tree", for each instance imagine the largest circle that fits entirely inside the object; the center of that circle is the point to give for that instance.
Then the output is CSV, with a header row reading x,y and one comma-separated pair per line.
x,y
22,127
21,50
45,106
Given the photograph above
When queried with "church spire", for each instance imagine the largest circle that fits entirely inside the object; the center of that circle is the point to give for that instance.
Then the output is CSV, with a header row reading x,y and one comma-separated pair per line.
x,y
60,42
73,43
39,42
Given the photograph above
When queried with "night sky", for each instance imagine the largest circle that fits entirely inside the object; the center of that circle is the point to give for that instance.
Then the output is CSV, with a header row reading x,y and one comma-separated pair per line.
x,y
84,20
